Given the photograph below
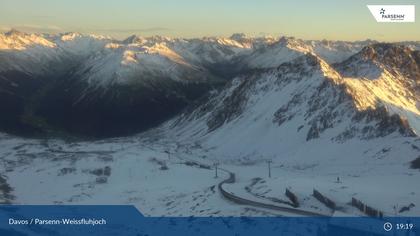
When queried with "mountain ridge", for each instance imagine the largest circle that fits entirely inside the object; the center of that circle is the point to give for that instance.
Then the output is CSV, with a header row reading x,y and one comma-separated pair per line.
x,y
88,72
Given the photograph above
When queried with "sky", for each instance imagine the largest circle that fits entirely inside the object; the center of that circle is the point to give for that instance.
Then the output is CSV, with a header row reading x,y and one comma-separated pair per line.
x,y
306,19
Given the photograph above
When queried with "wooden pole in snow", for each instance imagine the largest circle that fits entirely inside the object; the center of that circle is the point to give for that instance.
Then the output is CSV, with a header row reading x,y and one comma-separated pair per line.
x,y
269,168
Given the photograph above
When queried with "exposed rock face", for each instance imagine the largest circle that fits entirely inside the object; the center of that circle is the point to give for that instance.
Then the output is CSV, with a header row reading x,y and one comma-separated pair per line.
x,y
415,164
96,86
306,99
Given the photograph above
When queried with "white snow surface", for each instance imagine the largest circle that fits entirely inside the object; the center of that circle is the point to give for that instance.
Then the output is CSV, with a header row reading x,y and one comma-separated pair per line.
x,y
301,115
106,61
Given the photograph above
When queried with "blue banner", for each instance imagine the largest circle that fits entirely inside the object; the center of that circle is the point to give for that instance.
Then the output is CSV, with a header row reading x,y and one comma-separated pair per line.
x,y
94,220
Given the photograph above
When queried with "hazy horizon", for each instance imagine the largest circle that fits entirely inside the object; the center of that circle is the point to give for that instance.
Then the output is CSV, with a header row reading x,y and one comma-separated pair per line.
x,y
207,36
328,19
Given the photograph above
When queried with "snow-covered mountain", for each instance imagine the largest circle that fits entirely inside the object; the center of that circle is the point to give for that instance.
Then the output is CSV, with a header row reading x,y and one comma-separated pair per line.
x,y
71,80
337,51
275,52
279,110
385,75
317,122
341,117
27,53
34,53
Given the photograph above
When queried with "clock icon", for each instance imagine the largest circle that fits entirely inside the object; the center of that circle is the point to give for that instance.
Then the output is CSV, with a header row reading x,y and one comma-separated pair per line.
x,y
387,226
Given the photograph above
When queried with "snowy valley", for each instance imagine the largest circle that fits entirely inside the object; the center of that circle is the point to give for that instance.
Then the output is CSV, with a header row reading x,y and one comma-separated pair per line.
x,y
150,121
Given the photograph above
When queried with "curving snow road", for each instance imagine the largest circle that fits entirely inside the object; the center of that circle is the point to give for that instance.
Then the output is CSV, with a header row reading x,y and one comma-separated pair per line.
x,y
240,200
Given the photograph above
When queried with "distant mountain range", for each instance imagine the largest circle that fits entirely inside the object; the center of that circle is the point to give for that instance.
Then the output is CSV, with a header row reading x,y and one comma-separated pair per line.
x,y
96,86
339,117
